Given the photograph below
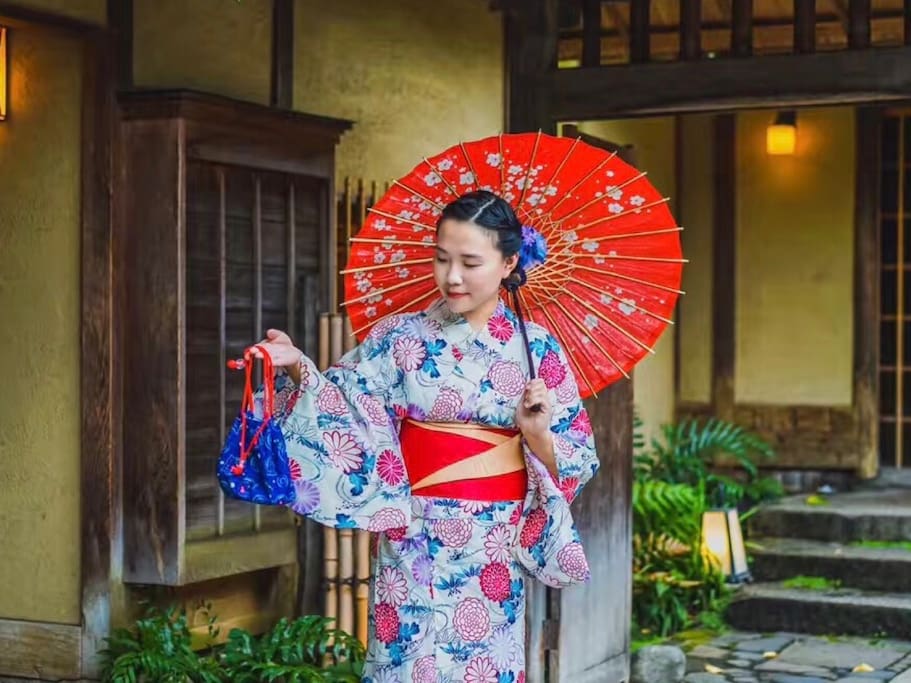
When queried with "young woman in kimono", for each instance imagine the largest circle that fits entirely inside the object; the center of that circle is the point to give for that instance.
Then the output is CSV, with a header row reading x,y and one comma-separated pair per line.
x,y
430,434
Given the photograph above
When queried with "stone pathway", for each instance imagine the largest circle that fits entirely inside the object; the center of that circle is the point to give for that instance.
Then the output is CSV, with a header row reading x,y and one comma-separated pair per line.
x,y
739,657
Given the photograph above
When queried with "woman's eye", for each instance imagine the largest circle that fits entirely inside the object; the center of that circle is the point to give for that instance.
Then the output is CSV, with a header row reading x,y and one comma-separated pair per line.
x,y
472,265
440,259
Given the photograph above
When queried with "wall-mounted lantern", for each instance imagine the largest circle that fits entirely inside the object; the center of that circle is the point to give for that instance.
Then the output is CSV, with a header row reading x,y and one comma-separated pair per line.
x,y
781,136
4,73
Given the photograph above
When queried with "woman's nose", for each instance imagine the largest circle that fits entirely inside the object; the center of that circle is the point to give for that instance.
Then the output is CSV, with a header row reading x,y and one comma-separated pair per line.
x,y
454,276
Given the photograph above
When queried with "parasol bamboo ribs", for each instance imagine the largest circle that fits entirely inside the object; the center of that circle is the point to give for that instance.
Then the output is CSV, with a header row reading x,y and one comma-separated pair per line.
x,y
417,194
377,292
401,219
390,266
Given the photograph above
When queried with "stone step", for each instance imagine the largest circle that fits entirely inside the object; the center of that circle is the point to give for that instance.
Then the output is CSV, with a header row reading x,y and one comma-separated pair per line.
x,y
856,516
769,607
878,569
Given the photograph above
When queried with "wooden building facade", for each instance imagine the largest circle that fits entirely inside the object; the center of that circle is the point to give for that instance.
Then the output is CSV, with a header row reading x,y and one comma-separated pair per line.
x,y
171,192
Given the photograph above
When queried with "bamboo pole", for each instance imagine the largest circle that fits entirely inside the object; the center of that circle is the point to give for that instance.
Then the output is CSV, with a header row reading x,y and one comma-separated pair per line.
x,y
346,580
360,571
330,544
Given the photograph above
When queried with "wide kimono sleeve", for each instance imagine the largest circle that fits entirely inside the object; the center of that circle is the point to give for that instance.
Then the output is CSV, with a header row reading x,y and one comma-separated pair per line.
x,y
548,545
342,436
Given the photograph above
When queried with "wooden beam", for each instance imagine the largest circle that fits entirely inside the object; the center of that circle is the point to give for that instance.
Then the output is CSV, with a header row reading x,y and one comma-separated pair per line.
x,y
742,28
591,32
640,31
690,29
858,23
282,81
728,84
866,288
47,19
38,650
724,257
120,21
804,26
531,49
98,359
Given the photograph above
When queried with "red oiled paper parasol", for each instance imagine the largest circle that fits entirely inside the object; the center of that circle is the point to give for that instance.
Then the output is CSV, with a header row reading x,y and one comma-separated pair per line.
x,y
604,260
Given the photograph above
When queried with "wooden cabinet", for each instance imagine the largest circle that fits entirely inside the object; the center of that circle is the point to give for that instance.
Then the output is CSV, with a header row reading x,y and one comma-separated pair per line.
x,y
225,215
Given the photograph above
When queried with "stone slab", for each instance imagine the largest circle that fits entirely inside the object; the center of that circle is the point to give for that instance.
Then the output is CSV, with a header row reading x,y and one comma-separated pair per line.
x,y
817,652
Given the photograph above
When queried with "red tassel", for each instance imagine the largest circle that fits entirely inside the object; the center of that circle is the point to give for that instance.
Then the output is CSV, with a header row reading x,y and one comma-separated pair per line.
x,y
237,470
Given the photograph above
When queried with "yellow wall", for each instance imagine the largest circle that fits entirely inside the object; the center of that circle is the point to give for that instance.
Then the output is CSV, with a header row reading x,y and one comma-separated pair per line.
x,y
694,206
93,11
220,46
653,139
795,220
416,77
39,298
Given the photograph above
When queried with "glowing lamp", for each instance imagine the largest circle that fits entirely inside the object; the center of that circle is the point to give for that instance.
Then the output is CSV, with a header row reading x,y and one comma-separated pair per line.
x,y
781,136
3,73
723,538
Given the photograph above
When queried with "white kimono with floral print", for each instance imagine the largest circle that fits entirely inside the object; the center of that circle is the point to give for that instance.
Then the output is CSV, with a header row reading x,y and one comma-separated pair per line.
x,y
448,599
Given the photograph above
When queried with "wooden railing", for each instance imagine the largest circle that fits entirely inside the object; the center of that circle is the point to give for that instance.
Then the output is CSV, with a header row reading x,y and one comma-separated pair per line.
x,y
630,34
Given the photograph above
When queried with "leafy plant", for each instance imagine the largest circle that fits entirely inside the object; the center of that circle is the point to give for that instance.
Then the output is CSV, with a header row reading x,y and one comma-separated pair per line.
x,y
685,453
674,579
304,650
157,648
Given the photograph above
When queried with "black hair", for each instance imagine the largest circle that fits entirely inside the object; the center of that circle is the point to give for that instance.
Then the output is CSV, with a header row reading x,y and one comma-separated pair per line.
x,y
492,212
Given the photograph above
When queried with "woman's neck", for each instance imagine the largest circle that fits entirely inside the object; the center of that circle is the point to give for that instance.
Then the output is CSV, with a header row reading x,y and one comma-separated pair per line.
x,y
478,317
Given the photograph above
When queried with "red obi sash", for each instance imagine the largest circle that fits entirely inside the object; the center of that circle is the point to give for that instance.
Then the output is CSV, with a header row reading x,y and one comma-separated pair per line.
x,y
466,461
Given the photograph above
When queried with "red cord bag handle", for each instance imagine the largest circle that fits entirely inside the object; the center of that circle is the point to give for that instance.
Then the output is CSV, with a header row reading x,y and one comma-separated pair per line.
x,y
248,404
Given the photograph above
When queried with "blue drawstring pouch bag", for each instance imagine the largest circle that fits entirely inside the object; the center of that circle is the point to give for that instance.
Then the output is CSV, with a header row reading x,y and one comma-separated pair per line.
x,y
253,465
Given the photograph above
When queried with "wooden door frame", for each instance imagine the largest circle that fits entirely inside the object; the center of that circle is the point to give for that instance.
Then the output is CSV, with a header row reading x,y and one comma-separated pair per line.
x,y
74,647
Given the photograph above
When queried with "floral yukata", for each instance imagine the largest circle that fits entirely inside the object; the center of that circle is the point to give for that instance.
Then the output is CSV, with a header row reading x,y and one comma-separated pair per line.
x,y
448,595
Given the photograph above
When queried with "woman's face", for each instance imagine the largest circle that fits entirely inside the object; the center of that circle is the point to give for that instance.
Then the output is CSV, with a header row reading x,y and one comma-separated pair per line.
x,y
469,268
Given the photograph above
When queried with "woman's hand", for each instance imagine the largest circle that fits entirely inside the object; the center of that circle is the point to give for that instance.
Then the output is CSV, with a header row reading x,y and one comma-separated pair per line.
x,y
535,425
283,351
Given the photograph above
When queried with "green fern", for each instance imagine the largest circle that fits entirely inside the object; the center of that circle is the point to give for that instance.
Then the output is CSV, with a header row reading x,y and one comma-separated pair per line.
x,y
304,650
685,454
158,648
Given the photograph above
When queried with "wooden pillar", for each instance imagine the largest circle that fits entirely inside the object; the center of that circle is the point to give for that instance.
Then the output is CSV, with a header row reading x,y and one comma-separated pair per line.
x,y
724,274
690,29
866,288
742,28
99,362
906,10
804,26
640,31
531,53
859,24
120,21
282,81
591,32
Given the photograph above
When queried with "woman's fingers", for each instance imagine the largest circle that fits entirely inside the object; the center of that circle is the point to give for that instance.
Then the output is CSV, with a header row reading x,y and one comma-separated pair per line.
x,y
277,336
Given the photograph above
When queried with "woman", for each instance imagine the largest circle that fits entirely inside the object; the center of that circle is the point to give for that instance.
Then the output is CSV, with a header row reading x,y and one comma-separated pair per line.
x,y
430,434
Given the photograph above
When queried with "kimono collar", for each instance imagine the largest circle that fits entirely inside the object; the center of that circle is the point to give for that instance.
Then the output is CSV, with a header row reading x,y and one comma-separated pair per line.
x,y
441,312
